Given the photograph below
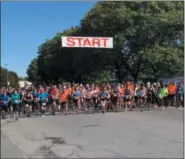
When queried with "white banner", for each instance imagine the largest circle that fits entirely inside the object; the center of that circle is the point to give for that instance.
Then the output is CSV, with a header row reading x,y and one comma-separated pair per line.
x,y
87,42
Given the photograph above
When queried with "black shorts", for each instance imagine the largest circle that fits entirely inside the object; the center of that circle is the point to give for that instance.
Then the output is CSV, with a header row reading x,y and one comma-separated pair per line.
x,y
51,100
4,107
63,103
29,102
75,101
171,96
16,107
114,99
103,99
141,98
150,98
88,99
40,103
35,102
57,101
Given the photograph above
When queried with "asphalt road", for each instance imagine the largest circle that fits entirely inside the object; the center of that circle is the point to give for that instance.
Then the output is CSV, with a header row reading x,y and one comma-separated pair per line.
x,y
154,134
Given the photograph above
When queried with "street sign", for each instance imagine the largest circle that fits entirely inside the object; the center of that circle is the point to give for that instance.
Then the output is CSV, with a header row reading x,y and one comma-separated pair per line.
x,y
87,42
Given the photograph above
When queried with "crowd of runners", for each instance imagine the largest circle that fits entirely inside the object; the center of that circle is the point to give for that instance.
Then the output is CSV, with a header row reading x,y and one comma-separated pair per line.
x,y
62,98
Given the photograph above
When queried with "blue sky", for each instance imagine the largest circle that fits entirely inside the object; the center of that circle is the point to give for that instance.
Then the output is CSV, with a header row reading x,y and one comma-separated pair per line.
x,y
25,25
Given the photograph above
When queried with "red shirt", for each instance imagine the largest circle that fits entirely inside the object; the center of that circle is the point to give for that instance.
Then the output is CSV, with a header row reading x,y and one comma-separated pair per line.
x,y
54,92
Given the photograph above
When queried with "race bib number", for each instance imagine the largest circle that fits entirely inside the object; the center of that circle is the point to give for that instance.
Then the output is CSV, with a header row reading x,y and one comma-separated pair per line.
x,y
76,98
160,96
127,96
5,102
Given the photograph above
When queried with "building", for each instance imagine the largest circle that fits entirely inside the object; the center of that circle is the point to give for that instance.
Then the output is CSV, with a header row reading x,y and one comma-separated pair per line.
x,y
24,83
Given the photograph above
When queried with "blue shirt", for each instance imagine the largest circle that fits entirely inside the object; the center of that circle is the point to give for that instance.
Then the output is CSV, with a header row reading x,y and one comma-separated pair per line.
x,y
104,94
15,98
43,96
76,94
4,99
35,95
180,89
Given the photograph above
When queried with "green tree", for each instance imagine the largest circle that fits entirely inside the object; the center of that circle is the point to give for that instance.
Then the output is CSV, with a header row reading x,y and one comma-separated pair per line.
x,y
165,61
13,79
32,71
9,76
135,27
143,33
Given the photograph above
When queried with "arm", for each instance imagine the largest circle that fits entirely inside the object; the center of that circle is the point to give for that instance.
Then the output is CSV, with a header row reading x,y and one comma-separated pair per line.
x,y
11,98
19,97
22,98
166,92
31,97
8,99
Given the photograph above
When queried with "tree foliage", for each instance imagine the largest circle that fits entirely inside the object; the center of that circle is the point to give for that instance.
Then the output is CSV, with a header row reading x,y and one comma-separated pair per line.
x,y
9,76
146,43
32,71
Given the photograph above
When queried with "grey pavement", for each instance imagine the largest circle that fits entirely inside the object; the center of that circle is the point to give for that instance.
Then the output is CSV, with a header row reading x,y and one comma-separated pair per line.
x,y
9,150
154,134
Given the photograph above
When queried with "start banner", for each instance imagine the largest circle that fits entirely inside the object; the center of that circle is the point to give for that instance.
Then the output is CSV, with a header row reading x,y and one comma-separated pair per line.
x,y
87,42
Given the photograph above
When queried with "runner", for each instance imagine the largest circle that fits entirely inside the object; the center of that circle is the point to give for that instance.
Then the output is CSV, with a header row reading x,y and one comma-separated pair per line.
x,y
114,99
127,98
76,100
120,95
141,95
88,99
104,98
83,95
15,104
43,102
53,100
4,99
171,93
36,106
28,101
179,95
63,98
163,92
96,93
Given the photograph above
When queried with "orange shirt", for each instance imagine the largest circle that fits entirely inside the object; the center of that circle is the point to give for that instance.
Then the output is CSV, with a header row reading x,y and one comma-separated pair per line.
x,y
97,90
69,91
63,97
121,91
131,88
172,89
